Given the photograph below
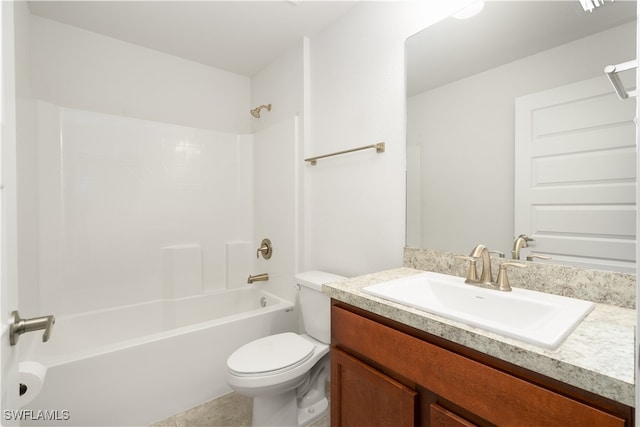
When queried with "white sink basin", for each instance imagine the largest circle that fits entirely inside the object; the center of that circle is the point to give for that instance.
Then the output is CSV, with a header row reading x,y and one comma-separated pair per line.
x,y
534,317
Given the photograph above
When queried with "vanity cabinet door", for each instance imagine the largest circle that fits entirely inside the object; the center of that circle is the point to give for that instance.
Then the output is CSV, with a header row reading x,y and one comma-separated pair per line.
x,y
362,396
441,417
486,394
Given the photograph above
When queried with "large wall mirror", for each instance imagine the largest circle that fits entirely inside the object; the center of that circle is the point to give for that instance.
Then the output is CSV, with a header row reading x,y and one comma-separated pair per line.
x,y
518,93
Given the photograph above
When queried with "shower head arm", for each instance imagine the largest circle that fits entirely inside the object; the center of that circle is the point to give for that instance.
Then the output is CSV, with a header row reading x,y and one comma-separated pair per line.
x,y
256,111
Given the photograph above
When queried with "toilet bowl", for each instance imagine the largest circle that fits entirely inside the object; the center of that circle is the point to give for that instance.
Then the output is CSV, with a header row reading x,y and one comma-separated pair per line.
x,y
286,373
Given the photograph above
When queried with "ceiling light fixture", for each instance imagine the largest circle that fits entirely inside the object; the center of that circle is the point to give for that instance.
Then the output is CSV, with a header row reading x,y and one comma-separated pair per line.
x,y
589,5
471,10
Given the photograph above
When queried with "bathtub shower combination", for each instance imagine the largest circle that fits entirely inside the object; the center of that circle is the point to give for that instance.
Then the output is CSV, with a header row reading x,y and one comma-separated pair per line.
x,y
144,246
141,363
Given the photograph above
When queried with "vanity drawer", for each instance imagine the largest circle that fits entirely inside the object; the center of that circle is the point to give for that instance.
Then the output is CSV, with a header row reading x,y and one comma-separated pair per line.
x,y
491,394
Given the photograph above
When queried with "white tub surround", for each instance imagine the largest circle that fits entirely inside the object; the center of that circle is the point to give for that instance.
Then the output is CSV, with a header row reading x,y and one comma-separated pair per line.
x,y
239,262
128,209
182,270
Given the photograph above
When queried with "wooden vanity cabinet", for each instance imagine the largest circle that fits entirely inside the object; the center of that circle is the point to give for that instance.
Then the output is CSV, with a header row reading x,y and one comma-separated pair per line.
x,y
384,373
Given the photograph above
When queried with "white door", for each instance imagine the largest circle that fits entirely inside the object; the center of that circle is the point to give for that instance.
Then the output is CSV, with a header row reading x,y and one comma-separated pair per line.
x,y
8,260
575,161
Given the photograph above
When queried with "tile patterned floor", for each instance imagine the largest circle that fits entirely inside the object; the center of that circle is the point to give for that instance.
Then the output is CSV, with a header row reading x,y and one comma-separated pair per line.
x,y
231,410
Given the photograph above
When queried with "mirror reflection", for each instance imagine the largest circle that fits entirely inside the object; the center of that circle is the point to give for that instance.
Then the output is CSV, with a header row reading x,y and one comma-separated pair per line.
x,y
514,129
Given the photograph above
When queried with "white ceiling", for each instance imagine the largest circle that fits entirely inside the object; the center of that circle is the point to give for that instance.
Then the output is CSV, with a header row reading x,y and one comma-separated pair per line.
x,y
503,32
237,36
244,36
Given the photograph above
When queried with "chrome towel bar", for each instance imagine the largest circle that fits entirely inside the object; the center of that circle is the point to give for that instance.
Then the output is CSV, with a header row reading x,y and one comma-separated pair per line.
x,y
379,149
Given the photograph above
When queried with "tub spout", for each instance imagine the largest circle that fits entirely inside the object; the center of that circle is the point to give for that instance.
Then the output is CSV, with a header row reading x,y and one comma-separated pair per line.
x,y
258,278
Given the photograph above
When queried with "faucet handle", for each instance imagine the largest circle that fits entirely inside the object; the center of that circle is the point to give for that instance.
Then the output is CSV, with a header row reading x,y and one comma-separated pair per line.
x,y
500,254
503,280
472,273
265,249
532,256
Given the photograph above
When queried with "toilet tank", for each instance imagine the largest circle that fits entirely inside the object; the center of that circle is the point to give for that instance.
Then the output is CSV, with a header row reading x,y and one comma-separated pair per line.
x,y
315,306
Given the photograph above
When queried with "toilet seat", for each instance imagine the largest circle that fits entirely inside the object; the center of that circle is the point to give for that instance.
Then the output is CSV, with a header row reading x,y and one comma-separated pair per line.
x,y
270,355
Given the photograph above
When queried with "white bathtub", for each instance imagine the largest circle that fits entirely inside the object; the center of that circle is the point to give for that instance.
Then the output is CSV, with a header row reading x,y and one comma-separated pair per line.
x,y
139,364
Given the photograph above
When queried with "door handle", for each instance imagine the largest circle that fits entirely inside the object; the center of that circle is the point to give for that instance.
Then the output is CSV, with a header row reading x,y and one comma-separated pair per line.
x,y
18,326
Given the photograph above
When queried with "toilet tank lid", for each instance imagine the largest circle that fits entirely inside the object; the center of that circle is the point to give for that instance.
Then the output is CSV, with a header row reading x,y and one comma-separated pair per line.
x,y
314,279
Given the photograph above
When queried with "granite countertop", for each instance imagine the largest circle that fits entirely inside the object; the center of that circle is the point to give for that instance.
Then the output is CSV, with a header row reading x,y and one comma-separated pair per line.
x,y
598,356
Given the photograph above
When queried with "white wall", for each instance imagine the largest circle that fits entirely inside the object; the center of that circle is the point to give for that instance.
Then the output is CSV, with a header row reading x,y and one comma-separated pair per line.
x,y
277,163
79,69
355,204
74,68
22,18
466,133
27,203
133,210
353,94
8,214
637,334
275,201
280,84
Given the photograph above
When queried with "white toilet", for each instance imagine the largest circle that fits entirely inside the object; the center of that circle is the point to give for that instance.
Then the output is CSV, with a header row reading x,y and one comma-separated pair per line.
x,y
286,373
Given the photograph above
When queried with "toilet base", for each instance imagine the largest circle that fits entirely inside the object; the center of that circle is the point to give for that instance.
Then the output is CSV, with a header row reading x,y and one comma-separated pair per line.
x,y
311,413
298,406
282,410
275,410
312,399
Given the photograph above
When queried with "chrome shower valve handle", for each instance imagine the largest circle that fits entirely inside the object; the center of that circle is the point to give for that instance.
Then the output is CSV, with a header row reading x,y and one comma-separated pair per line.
x,y
18,326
